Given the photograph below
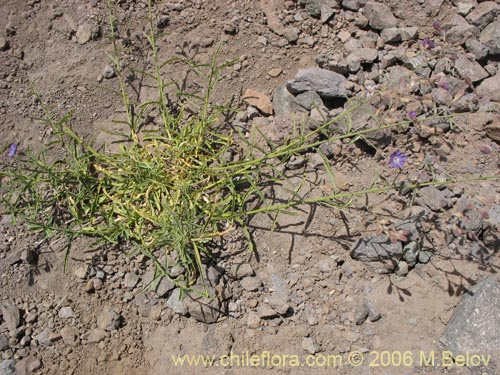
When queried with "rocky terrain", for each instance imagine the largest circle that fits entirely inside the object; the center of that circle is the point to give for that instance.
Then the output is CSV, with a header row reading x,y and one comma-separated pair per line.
x,y
399,270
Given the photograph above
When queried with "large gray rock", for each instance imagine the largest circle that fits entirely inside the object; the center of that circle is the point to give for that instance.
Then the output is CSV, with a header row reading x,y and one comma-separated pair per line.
x,y
460,33
434,198
490,37
483,14
326,83
379,16
320,8
379,252
475,324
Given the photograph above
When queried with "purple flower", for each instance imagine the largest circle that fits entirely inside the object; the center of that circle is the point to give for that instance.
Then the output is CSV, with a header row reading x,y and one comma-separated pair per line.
x,y
412,115
12,150
398,159
428,43
444,85
436,25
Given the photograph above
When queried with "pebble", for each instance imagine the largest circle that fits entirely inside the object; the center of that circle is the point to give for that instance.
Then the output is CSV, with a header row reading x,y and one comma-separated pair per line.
x,y
360,314
95,335
309,345
258,100
108,72
130,280
251,284
109,319
11,316
253,320
70,335
47,337
372,312
264,311
28,365
66,312
241,270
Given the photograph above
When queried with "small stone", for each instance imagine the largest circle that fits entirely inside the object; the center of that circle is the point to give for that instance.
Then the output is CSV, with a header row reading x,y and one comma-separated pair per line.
x,y
483,13
4,44
84,33
490,37
264,311
258,100
296,162
284,102
424,256
8,367
66,312
175,302
70,335
410,255
130,280
11,316
372,312
488,89
379,16
326,83
164,287
434,198
309,345
378,252
97,284
275,72
27,366
470,69
95,335
474,46
251,284
81,272
360,314
108,72
47,337
242,270
4,342
402,268
253,320
109,320
493,131
89,286
441,97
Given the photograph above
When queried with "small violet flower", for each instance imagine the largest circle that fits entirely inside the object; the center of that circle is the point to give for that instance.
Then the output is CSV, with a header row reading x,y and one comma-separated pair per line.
x,y
428,43
444,85
12,150
398,159
412,115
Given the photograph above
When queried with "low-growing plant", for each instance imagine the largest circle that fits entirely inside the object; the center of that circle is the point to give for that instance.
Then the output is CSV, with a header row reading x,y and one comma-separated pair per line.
x,y
170,191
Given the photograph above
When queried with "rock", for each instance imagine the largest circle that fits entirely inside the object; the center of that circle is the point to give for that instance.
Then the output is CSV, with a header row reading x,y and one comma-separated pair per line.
x,y
326,83
471,69
434,198
483,14
242,270
70,335
309,345
250,284
130,280
284,102
81,272
475,324
398,34
361,56
460,33
4,44
424,257
258,100
47,337
274,72
493,131
354,4
204,309
11,316
402,268
108,72
360,314
467,103
264,311
479,50
86,32
372,312
4,342
95,335
253,320
279,303
378,251
309,100
174,302
490,37
441,97
28,365
296,162
66,312
109,319
488,89
8,367
320,8
164,287
379,16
